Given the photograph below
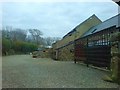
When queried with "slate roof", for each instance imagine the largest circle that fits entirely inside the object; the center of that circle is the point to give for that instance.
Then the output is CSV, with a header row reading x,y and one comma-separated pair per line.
x,y
73,30
114,21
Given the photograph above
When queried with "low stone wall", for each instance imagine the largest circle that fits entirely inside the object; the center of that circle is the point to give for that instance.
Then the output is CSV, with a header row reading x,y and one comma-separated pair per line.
x,y
43,53
66,53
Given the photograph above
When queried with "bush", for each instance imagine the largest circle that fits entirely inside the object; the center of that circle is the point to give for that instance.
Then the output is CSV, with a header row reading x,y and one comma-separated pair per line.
x,y
6,46
11,52
24,47
20,47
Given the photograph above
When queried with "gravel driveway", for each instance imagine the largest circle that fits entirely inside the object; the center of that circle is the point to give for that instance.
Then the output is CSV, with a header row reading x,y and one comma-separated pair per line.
x,y
22,71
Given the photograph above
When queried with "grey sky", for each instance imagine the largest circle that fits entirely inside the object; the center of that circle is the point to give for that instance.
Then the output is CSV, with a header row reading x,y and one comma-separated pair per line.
x,y
54,19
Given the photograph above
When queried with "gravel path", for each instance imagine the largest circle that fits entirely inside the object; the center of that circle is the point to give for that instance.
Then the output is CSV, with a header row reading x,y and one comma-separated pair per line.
x,y
22,71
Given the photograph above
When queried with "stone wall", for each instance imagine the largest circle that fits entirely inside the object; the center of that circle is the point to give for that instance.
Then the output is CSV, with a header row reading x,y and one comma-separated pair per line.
x,y
66,53
54,54
115,59
46,53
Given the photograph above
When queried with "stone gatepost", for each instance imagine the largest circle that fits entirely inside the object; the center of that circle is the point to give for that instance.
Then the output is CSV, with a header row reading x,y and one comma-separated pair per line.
x,y
115,57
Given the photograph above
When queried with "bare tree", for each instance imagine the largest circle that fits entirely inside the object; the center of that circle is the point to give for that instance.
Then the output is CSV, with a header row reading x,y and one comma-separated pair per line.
x,y
50,40
6,32
36,35
18,34
14,33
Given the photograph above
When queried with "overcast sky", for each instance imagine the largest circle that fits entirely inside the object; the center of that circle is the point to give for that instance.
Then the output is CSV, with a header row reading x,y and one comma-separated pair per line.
x,y
54,19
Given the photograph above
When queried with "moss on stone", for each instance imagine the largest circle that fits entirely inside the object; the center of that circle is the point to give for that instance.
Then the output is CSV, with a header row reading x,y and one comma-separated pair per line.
x,y
115,37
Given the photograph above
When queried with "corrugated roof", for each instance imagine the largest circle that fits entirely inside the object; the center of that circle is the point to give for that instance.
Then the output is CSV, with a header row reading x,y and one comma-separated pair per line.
x,y
114,21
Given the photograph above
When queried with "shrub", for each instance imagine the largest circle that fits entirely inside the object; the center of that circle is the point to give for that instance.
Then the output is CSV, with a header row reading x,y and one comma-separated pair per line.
x,y
11,52
24,47
6,46
20,47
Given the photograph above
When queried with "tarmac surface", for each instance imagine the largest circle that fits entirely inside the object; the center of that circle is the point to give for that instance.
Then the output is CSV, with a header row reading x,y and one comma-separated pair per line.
x,y
23,71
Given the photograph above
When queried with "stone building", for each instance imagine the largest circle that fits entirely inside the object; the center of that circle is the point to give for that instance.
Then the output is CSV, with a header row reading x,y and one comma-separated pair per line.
x,y
63,49
86,45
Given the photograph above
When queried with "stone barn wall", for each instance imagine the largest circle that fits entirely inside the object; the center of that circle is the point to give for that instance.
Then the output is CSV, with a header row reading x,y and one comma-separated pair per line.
x,y
66,53
54,54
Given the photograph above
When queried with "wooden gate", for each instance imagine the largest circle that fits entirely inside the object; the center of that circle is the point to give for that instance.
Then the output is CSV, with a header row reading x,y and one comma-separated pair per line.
x,y
96,55
80,54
